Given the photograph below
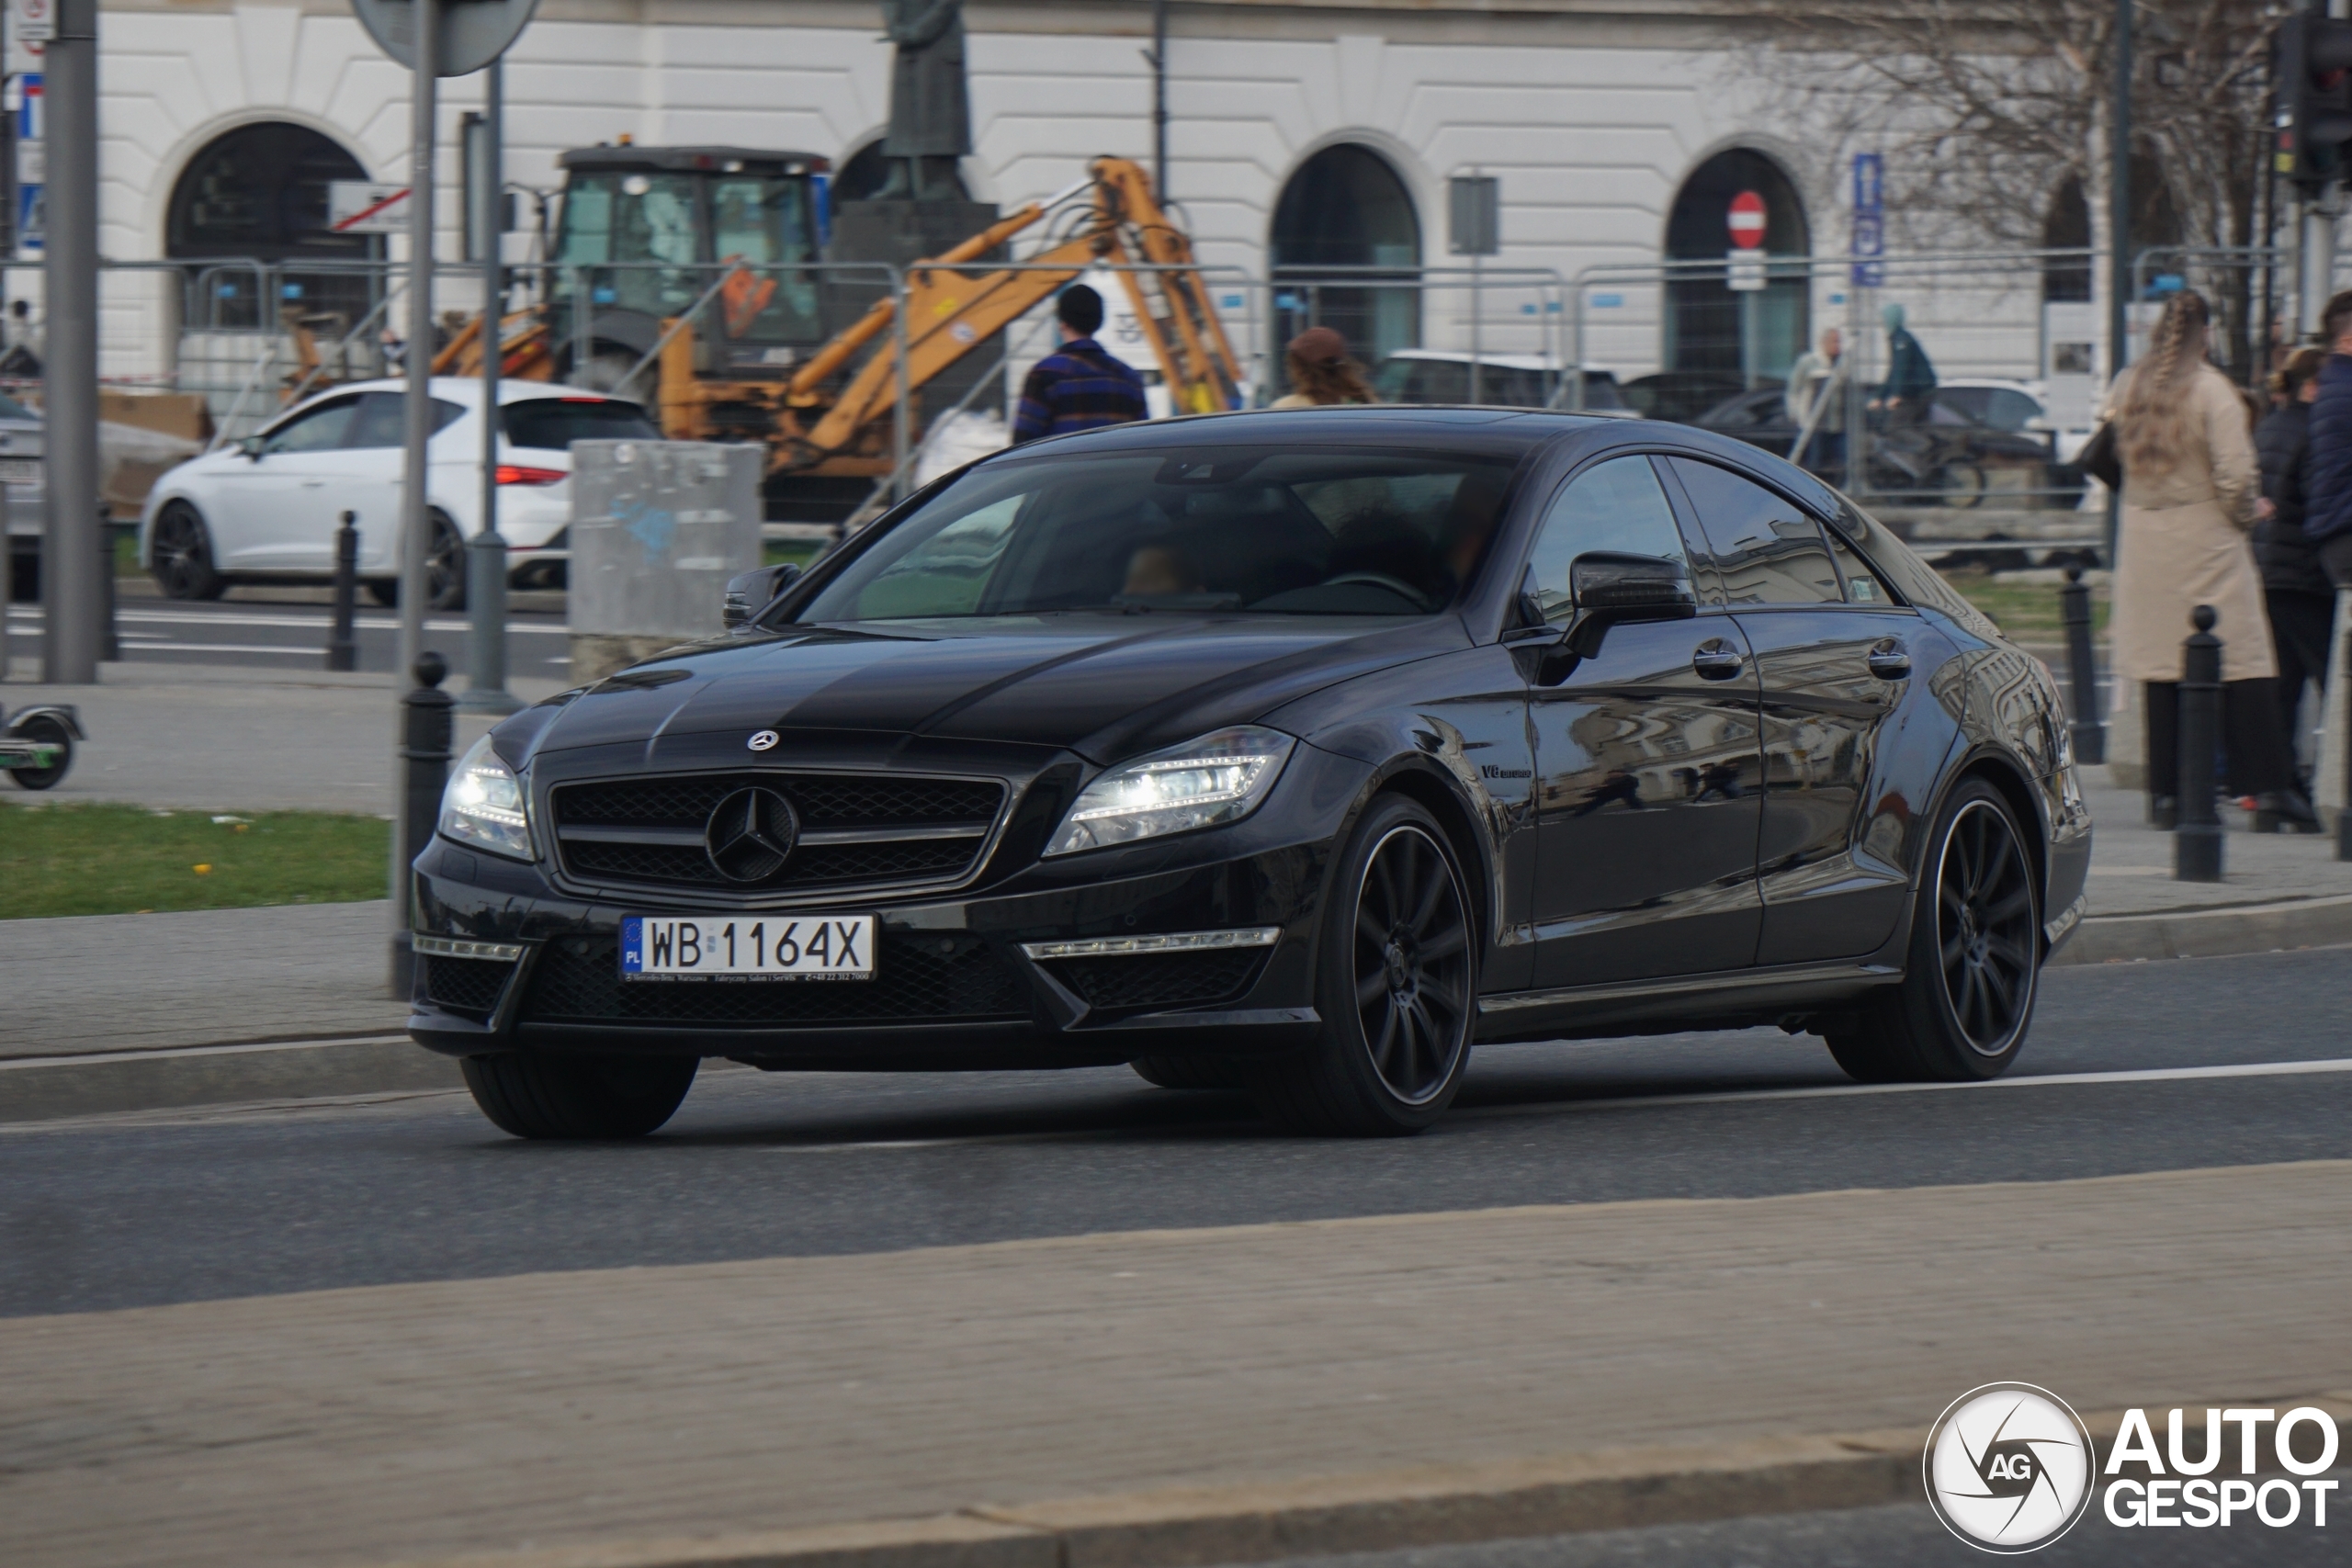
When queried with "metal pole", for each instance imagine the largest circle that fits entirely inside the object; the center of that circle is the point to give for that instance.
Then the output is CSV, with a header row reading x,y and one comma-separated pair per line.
x,y
1476,311
2118,200
2197,842
2089,731
71,585
1160,99
900,481
486,551
416,518
2319,259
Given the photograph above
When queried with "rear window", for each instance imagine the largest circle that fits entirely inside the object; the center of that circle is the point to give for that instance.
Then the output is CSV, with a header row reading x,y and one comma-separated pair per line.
x,y
554,424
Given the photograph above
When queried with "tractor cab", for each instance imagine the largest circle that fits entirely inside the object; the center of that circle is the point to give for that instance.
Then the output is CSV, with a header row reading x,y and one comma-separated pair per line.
x,y
645,231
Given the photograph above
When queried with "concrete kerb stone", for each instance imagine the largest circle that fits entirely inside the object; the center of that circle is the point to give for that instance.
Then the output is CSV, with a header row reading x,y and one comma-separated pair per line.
x,y
2211,934
1436,1506
43,1088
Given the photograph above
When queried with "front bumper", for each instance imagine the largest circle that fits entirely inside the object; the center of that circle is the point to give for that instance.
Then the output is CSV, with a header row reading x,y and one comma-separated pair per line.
x,y
967,980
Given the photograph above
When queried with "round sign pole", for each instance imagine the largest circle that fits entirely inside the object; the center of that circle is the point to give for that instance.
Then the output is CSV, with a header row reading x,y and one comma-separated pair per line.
x,y
1746,221
415,534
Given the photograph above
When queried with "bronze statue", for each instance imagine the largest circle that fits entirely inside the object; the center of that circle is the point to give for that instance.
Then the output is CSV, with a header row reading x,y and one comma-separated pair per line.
x,y
930,117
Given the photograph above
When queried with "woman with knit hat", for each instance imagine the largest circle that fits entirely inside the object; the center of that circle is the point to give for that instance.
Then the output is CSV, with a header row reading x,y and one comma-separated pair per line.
x,y
1322,374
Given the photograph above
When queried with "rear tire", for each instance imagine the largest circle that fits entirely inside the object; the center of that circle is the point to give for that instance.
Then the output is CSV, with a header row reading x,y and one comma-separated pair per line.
x,y
1965,1003
540,1095
1397,983
1187,1072
44,728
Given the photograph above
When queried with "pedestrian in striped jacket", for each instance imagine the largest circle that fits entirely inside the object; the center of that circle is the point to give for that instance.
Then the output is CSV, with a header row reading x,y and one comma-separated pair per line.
x,y
1080,386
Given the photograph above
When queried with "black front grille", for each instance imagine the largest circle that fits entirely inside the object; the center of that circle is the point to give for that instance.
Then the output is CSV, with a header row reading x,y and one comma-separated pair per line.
x,y
1160,979
870,804
917,979
466,984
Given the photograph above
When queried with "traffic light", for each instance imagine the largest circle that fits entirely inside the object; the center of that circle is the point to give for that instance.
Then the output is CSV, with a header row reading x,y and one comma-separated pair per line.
x,y
2314,81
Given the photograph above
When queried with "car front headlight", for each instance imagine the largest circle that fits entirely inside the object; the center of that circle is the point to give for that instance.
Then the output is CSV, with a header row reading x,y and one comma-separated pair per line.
x,y
1220,778
484,806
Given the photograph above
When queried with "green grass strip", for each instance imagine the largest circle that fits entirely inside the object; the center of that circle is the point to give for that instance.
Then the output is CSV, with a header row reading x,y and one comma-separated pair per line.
x,y
92,859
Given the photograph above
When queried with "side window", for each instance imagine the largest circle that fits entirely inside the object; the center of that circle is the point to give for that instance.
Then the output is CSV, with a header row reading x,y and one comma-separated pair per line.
x,y
321,430
1767,549
1615,506
383,420
2012,409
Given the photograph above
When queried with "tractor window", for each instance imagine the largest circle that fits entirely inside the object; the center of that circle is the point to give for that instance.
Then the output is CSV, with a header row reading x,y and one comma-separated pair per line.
x,y
636,232
762,222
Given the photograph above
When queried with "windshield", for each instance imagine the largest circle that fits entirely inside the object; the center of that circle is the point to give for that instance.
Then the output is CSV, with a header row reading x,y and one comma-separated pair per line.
x,y
1289,532
641,236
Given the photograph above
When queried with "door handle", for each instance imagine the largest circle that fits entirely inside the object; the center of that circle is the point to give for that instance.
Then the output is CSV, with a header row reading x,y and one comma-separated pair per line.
x,y
1716,660
1889,661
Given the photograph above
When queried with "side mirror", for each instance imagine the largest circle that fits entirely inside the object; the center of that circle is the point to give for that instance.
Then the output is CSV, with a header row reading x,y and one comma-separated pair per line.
x,y
1630,587
749,593
250,447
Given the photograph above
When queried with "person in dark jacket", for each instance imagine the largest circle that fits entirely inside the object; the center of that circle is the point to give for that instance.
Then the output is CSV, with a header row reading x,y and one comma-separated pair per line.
x,y
1079,386
2295,586
1910,378
2327,468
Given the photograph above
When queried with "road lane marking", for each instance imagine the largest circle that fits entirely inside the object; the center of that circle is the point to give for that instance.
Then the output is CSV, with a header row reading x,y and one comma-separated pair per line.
x,y
1651,1101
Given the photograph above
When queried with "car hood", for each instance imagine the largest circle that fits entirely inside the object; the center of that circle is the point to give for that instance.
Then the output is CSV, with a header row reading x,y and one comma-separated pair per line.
x,y
1105,687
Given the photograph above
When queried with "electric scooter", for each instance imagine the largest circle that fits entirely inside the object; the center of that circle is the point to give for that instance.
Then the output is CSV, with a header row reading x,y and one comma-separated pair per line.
x,y
37,744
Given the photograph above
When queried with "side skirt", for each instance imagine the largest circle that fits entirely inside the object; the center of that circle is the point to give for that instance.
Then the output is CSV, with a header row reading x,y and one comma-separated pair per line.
x,y
1731,999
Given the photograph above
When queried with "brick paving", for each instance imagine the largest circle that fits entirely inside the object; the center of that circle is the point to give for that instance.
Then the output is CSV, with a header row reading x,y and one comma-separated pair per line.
x,y
370,1424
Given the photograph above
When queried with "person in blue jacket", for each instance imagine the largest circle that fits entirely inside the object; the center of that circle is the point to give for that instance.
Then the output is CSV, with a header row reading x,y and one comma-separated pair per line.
x,y
2327,462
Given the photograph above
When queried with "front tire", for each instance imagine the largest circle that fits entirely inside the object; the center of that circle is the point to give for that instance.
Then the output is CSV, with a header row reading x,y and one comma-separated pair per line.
x,y
1396,984
180,555
1966,1001
541,1094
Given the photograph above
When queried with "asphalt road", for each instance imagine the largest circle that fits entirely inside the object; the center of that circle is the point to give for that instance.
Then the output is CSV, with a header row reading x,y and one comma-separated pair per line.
x,y
272,634
183,1206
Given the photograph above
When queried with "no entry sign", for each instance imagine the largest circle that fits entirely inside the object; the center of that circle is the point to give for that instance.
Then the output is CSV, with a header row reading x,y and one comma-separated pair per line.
x,y
1746,221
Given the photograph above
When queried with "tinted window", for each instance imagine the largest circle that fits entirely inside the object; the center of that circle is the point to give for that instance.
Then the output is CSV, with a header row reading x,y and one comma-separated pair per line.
x,y
554,424
1960,405
1616,505
1767,550
2011,410
319,429
1331,533
383,420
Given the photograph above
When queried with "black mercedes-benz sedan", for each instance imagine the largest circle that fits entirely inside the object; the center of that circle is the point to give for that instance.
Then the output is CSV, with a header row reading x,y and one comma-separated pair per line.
x,y
1291,753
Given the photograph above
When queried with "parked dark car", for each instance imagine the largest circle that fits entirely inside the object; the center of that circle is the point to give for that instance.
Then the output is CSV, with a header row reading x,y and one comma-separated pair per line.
x,y
1951,458
1293,753
1683,395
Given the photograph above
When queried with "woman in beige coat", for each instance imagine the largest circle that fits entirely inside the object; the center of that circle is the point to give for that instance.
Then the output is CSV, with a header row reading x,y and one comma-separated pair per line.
x,y
2192,493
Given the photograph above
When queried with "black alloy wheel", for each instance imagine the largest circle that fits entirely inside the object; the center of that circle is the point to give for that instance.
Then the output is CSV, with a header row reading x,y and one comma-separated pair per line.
x,y
444,571
1397,987
536,1094
1974,964
49,728
180,555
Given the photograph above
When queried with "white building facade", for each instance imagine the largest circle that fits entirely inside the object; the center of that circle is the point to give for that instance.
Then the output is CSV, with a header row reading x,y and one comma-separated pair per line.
x,y
1303,134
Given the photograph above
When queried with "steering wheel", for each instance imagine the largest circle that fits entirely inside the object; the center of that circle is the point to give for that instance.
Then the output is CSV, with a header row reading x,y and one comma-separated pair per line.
x,y
1404,590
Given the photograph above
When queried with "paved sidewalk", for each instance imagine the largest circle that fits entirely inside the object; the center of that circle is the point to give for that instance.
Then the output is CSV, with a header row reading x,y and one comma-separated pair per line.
x,y
222,738
1017,1380
100,982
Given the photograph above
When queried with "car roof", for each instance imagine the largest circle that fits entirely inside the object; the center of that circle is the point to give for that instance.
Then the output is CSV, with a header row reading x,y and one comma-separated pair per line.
x,y
1508,361
466,389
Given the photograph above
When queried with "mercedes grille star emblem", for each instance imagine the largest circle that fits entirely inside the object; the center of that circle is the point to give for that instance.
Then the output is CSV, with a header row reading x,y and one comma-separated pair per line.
x,y
763,740
750,834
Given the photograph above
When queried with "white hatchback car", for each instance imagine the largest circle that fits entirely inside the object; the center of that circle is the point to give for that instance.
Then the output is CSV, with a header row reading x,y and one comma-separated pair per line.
x,y
266,510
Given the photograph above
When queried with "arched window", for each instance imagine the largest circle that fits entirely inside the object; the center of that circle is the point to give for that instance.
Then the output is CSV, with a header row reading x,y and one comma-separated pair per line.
x,y
260,191
1346,209
1711,327
2068,228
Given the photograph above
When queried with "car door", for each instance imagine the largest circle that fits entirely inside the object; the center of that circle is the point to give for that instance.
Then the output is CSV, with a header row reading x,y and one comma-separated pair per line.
x,y
371,487
1842,715
265,518
1646,762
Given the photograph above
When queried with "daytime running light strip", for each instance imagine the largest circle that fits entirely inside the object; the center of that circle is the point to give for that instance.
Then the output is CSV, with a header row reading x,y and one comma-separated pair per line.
x,y
453,947
1178,942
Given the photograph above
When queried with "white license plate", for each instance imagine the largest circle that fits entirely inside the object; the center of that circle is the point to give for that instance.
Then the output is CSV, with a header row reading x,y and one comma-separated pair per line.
x,y
19,471
733,947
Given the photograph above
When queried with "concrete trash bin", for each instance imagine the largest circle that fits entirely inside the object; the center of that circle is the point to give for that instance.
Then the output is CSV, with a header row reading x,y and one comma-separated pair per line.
x,y
657,529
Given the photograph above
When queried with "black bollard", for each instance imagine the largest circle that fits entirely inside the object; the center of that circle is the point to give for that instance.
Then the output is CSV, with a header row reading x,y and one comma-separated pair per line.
x,y
343,641
2075,606
428,722
2197,843
110,639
